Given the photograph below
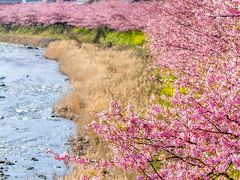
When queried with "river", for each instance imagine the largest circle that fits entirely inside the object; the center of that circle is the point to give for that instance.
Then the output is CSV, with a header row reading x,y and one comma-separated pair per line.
x,y
29,87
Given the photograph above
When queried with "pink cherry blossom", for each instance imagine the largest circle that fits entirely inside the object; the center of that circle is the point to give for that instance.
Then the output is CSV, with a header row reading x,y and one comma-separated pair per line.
x,y
120,15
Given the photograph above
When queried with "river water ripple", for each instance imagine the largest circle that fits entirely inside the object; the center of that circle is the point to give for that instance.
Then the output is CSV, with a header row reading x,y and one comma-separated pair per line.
x,y
29,86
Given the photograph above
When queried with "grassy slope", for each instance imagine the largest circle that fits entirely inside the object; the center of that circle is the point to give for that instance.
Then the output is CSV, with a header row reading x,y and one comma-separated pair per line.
x,y
97,75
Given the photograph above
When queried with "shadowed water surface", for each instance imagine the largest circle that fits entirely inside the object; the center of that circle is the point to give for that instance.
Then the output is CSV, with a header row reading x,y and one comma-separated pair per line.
x,y
29,86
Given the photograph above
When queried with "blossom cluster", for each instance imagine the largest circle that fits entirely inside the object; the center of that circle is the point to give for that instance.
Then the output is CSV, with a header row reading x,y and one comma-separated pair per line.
x,y
188,31
120,15
83,161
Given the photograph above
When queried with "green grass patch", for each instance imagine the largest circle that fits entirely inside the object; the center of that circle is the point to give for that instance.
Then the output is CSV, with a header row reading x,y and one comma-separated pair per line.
x,y
162,86
102,35
129,38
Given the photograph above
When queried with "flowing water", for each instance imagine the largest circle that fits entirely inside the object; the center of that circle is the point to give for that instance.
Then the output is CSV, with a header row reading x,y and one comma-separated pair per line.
x,y
29,87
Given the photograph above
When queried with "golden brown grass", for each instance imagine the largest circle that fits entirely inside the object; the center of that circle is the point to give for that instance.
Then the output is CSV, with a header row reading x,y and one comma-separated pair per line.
x,y
97,75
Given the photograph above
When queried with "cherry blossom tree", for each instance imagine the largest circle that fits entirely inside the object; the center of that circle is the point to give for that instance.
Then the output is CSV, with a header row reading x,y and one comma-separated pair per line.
x,y
183,31
198,136
120,15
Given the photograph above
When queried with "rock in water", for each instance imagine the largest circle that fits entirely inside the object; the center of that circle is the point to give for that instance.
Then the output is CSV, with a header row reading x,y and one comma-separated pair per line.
x,y
9,163
34,159
30,168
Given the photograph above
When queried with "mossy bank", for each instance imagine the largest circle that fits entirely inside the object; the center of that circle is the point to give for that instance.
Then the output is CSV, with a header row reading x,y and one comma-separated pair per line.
x,y
37,35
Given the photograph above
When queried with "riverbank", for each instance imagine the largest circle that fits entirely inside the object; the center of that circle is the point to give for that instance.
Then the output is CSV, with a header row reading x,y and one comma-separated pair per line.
x,y
97,75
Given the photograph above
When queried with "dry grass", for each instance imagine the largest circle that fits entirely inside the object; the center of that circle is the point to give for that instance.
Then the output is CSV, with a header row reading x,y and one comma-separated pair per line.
x,y
97,75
